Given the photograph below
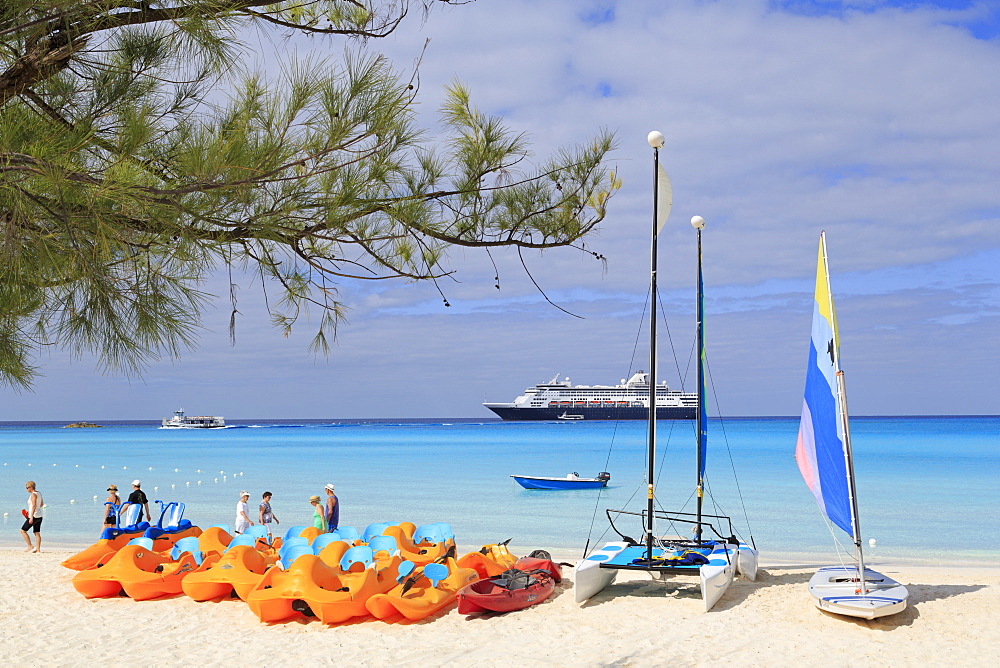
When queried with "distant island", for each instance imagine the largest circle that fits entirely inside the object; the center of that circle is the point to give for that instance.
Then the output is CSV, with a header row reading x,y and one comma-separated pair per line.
x,y
79,425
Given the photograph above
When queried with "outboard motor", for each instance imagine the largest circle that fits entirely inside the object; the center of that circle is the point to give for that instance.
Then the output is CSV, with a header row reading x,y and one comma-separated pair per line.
x,y
604,475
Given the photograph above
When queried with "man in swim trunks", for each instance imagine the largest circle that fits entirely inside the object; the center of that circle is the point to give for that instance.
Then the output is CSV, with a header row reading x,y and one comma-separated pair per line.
x,y
332,509
33,517
138,497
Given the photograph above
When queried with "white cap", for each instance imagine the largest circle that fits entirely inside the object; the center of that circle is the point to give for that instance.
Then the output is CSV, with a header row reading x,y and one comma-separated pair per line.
x,y
329,486
244,493
135,483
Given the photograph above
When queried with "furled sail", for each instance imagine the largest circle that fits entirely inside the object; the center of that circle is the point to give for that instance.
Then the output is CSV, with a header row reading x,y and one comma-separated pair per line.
x,y
820,450
702,395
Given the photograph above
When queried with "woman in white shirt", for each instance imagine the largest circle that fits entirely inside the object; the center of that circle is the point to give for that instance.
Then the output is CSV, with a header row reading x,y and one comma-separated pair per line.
x,y
243,521
33,517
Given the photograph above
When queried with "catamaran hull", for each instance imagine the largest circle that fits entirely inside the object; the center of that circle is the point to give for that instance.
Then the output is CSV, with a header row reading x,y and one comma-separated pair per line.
x,y
716,576
835,592
746,562
589,579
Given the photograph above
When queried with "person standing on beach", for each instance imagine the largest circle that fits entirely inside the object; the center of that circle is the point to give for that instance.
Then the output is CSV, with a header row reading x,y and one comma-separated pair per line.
x,y
319,517
111,511
243,521
33,517
266,514
138,498
332,509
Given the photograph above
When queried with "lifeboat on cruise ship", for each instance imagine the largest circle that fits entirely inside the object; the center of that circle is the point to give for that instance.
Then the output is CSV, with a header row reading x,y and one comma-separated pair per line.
x,y
423,590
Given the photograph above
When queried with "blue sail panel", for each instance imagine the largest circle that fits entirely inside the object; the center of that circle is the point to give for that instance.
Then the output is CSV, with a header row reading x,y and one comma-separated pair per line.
x,y
820,451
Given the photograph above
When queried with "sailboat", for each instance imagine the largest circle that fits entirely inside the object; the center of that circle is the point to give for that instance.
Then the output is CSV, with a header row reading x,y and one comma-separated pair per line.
x,y
713,560
823,452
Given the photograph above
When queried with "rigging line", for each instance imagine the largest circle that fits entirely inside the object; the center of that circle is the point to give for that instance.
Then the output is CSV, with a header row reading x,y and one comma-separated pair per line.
x,y
673,351
677,366
725,439
663,458
672,523
607,460
838,547
685,504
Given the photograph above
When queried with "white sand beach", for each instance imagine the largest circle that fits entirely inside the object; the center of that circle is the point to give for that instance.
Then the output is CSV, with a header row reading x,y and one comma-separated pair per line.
x,y
951,620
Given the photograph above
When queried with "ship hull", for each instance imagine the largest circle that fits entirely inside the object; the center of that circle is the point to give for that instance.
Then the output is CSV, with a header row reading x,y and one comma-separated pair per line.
x,y
595,413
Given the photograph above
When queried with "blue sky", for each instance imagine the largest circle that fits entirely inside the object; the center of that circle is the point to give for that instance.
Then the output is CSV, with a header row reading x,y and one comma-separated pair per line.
x,y
875,121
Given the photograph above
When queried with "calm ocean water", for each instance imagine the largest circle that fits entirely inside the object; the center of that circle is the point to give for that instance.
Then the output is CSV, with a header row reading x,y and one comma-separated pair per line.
x,y
929,488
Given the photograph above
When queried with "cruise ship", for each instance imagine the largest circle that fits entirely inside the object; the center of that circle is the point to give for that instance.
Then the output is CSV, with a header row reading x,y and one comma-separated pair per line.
x,y
559,400
181,421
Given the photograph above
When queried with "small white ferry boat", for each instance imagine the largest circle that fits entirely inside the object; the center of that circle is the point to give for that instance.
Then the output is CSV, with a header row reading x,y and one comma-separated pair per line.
x,y
181,421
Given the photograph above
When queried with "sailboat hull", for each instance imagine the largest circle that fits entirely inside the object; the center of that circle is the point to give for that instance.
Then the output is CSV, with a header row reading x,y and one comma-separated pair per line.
x,y
589,579
598,570
716,576
746,562
836,590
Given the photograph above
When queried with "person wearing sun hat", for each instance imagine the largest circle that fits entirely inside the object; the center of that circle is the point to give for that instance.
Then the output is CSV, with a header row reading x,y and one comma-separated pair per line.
x,y
138,497
243,521
111,506
319,519
332,509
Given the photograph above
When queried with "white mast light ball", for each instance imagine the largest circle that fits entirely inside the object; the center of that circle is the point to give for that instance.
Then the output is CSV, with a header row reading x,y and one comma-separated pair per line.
x,y
697,222
655,139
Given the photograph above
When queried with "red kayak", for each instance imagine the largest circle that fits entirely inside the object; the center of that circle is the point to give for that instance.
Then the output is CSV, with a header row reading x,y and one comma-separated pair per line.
x,y
530,581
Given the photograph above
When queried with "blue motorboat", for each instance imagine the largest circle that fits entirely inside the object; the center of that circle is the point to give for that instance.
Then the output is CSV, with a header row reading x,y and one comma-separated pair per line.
x,y
571,481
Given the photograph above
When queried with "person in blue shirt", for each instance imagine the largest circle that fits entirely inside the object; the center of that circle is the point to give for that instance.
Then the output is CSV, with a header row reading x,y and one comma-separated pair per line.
x,y
332,509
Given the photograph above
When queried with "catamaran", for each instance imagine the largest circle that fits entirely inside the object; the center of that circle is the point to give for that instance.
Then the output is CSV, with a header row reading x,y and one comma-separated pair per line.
x,y
713,560
826,461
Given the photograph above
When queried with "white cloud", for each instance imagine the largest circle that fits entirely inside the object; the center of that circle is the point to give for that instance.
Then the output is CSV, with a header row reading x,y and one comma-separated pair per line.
x,y
877,124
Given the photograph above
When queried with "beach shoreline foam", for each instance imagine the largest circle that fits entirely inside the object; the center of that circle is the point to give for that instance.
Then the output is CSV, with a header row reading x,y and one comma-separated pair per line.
x,y
951,619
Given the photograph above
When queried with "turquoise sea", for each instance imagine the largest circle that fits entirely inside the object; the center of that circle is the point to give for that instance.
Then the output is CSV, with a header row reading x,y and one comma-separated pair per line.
x,y
929,487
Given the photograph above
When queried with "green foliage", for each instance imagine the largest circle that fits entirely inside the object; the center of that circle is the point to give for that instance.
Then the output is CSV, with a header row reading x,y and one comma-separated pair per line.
x,y
137,157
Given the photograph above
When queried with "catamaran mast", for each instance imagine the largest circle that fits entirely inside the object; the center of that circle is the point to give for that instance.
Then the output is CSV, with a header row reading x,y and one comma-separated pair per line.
x,y
651,445
699,224
845,425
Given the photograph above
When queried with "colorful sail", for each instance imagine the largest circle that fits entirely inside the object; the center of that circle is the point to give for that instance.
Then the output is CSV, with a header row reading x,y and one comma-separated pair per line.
x,y
820,447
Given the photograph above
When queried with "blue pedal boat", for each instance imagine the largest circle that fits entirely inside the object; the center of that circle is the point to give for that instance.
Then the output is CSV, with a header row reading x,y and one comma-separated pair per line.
x,y
571,481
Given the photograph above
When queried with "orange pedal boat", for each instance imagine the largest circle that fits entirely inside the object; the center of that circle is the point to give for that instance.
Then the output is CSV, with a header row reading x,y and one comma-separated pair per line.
x,y
417,547
142,573
313,588
96,553
236,572
424,590
491,560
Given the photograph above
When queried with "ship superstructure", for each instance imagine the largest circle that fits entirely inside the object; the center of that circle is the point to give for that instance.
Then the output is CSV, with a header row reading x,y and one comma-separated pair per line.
x,y
559,399
182,421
